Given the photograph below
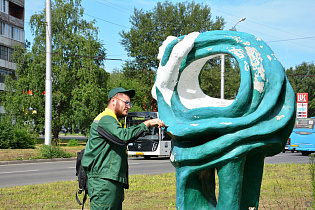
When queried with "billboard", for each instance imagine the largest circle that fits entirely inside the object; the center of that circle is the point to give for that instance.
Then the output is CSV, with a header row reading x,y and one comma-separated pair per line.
x,y
301,105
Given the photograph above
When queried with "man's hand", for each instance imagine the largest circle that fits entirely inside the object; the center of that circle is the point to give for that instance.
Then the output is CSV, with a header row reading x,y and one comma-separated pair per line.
x,y
154,123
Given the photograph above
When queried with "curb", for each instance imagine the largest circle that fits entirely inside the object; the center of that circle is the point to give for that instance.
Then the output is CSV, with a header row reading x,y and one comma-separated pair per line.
x,y
36,161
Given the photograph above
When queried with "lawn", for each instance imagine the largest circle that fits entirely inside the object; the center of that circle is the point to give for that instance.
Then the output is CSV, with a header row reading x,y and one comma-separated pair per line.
x,y
29,154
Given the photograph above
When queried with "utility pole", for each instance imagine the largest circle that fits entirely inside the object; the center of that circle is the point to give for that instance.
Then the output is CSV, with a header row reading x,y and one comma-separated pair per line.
x,y
223,60
48,83
222,75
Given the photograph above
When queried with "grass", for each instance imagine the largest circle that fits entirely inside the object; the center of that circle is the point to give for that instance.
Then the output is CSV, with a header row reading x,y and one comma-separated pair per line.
x,y
284,186
29,154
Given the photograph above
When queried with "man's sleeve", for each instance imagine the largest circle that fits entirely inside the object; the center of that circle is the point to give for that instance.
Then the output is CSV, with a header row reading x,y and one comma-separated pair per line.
x,y
109,128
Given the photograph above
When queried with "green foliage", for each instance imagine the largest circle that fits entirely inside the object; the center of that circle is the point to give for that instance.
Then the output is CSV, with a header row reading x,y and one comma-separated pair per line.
x,y
22,139
79,84
5,134
150,28
47,151
148,31
143,99
302,80
15,137
210,78
73,143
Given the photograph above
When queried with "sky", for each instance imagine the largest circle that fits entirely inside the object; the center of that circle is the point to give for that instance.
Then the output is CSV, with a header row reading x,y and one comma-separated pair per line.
x,y
287,26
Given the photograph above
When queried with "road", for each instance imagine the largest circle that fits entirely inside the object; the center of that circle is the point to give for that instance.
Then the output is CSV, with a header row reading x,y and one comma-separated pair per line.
x,y
45,172
67,137
287,157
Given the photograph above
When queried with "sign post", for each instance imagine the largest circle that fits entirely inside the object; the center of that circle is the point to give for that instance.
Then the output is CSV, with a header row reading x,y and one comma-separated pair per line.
x,y
301,105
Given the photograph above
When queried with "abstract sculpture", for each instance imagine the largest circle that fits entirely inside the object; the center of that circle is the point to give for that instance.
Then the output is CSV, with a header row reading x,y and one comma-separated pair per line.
x,y
231,136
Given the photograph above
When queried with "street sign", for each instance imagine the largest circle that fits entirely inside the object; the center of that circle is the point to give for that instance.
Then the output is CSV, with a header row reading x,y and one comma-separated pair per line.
x,y
301,105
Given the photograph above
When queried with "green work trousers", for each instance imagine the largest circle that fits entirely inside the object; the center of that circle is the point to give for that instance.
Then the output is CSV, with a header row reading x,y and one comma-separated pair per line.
x,y
105,194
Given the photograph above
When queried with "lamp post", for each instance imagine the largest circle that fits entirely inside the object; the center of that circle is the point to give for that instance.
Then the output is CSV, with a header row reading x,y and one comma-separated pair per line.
x,y
48,83
222,75
233,28
223,60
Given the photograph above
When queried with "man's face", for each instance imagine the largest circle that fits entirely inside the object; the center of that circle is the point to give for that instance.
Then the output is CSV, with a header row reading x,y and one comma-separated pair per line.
x,y
121,109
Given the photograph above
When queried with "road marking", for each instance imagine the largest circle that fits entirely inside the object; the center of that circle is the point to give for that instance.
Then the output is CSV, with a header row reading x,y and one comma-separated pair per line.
x,y
13,172
133,163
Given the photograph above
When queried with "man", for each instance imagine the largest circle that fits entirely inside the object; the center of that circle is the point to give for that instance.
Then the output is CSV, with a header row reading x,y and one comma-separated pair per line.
x,y
105,158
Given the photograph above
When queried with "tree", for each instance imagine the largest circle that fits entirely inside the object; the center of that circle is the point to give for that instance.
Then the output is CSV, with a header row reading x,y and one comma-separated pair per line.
x,y
150,28
118,79
302,80
210,78
79,84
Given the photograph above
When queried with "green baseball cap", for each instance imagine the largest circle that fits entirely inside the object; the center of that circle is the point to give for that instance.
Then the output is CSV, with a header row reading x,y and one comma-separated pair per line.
x,y
131,93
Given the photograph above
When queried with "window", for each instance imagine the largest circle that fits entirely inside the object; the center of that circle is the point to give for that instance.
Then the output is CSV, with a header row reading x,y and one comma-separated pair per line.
x,y
3,28
3,7
10,54
3,73
17,34
5,53
306,123
16,10
10,35
11,32
6,30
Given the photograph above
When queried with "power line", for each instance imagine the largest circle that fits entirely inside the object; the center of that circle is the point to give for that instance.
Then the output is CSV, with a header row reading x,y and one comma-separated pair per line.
x,y
289,40
119,6
86,56
260,24
293,43
117,55
312,37
276,29
303,75
106,21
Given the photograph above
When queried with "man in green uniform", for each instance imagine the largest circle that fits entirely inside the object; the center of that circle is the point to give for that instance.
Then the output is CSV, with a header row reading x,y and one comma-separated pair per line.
x,y
105,158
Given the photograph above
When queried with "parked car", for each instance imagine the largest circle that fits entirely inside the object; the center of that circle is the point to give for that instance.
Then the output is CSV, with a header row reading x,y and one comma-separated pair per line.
x,y
302,137
65,129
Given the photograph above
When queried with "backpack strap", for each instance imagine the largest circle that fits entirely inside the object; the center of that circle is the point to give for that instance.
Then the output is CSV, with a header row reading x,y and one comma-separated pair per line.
x,y
84,198
82,179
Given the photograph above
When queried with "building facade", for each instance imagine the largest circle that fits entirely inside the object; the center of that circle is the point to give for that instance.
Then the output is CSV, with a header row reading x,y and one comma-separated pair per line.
x,y
11,34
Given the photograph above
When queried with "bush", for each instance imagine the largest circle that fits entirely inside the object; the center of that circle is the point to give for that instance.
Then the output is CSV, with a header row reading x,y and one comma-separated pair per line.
x,y
53,152
73,143
13,137
5,135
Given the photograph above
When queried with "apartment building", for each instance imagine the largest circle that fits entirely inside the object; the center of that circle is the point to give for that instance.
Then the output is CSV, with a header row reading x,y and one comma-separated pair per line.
x,y
11,34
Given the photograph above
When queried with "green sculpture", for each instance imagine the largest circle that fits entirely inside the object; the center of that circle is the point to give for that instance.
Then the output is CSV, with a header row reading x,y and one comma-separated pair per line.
x,y
231,136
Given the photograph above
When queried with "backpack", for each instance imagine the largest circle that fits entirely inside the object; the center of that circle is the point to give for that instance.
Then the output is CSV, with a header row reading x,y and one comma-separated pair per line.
x,y
82,179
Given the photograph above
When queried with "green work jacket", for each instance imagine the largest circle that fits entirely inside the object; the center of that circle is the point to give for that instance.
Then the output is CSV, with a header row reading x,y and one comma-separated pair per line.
x,y
103,158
